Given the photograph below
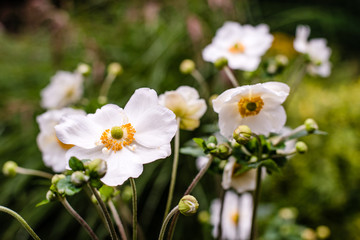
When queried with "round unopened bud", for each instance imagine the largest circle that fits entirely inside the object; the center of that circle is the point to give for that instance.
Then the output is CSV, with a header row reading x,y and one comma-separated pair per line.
x,y
223,151
83,69
323,232
188,205
51,196
204,217
310,125
96,167
187,66
220,63
211,146
115,69
9,168
301,147
308,234
281,60
78,178
242,134
56,178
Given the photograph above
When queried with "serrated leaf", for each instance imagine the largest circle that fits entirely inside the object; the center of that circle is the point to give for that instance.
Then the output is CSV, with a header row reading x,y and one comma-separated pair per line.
x,y
66,186
43,202
195,152
75,164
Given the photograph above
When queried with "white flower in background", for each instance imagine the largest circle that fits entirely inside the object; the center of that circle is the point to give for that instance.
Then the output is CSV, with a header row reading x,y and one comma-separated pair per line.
x,y
315,49
125,138
257,106
64,89
289,144
53,151
186,105
243,46
201,161
236,216
241,183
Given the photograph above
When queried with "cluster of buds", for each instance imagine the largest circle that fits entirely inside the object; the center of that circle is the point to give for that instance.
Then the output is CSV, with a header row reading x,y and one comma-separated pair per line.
x,y
222,150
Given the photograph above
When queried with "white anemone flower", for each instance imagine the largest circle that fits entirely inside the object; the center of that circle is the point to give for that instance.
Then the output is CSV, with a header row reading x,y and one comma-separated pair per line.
x,y
125,138
243,46
236,216
186,104
64,89
52,149
257,106
241,183
315,49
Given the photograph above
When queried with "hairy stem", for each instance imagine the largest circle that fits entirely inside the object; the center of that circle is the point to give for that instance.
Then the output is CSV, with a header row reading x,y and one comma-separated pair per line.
x,y
166,221
134,207
231,76
33,172
117,220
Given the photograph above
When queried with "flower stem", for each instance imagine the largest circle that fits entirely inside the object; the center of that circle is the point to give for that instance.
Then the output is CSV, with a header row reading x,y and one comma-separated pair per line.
x,y
201,81
106,85
105,213
165,222
188,191
134,207
82,222
221,213
174,168
20,220
117,220
33,172
231,76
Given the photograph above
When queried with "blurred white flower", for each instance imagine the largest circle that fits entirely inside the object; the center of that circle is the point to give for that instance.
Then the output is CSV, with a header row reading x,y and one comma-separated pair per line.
x,y
236,216
125,138
201,162
257,106
53,151
315,49
186,105
241,183
64,89
243,46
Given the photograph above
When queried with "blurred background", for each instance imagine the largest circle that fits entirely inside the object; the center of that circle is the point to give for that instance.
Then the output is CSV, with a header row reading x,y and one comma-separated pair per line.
x,y
150,39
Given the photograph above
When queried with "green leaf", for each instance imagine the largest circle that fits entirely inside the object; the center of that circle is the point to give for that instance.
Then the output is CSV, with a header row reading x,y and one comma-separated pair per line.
x,y
270,165
75,164
200,142
66,186
195,152
43,202
106,192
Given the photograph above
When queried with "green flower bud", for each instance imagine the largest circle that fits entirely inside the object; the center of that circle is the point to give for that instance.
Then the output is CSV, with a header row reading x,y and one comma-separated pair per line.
x,y
222,151
281,60
102,100
242,134
96,167
310,125
51,196
115,69
9,168
301,147
56,178
83,69
78,178
204,217
187,66
221,63
323,232
211,146
222,164
188,205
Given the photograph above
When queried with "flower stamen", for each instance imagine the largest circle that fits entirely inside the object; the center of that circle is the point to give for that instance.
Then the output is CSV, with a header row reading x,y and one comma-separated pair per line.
x,y
250,106
235,217
118,137
237,48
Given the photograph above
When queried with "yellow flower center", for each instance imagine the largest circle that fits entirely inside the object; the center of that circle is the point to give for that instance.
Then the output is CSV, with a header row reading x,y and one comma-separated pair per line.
x,y
63,145
250,106
235,217
237,48
118,137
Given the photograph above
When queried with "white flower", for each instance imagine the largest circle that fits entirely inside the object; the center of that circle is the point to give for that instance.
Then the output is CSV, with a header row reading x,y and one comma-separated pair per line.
x,y
186,105
243,46
201,161
53,151
316,50
236,216
125,138
241,183
257,106
64,89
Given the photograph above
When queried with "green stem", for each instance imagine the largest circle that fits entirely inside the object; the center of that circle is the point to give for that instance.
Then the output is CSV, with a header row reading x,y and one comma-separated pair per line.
x,y
174,168
20,220
221,213
201,81
105,212
166,221
106,85
82,222
231,76
33,172
117,220
134,207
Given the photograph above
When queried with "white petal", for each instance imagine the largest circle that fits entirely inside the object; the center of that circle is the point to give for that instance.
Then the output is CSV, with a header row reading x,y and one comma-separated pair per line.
x,y
211,53
229,119
244,62
227,96
147,155
280,91
109,116
246,209
83,153
300,42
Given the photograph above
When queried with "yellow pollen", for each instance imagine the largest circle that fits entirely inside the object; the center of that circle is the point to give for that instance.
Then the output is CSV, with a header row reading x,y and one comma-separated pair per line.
x,y
237,48
116,144
235,217
250,106
63,145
